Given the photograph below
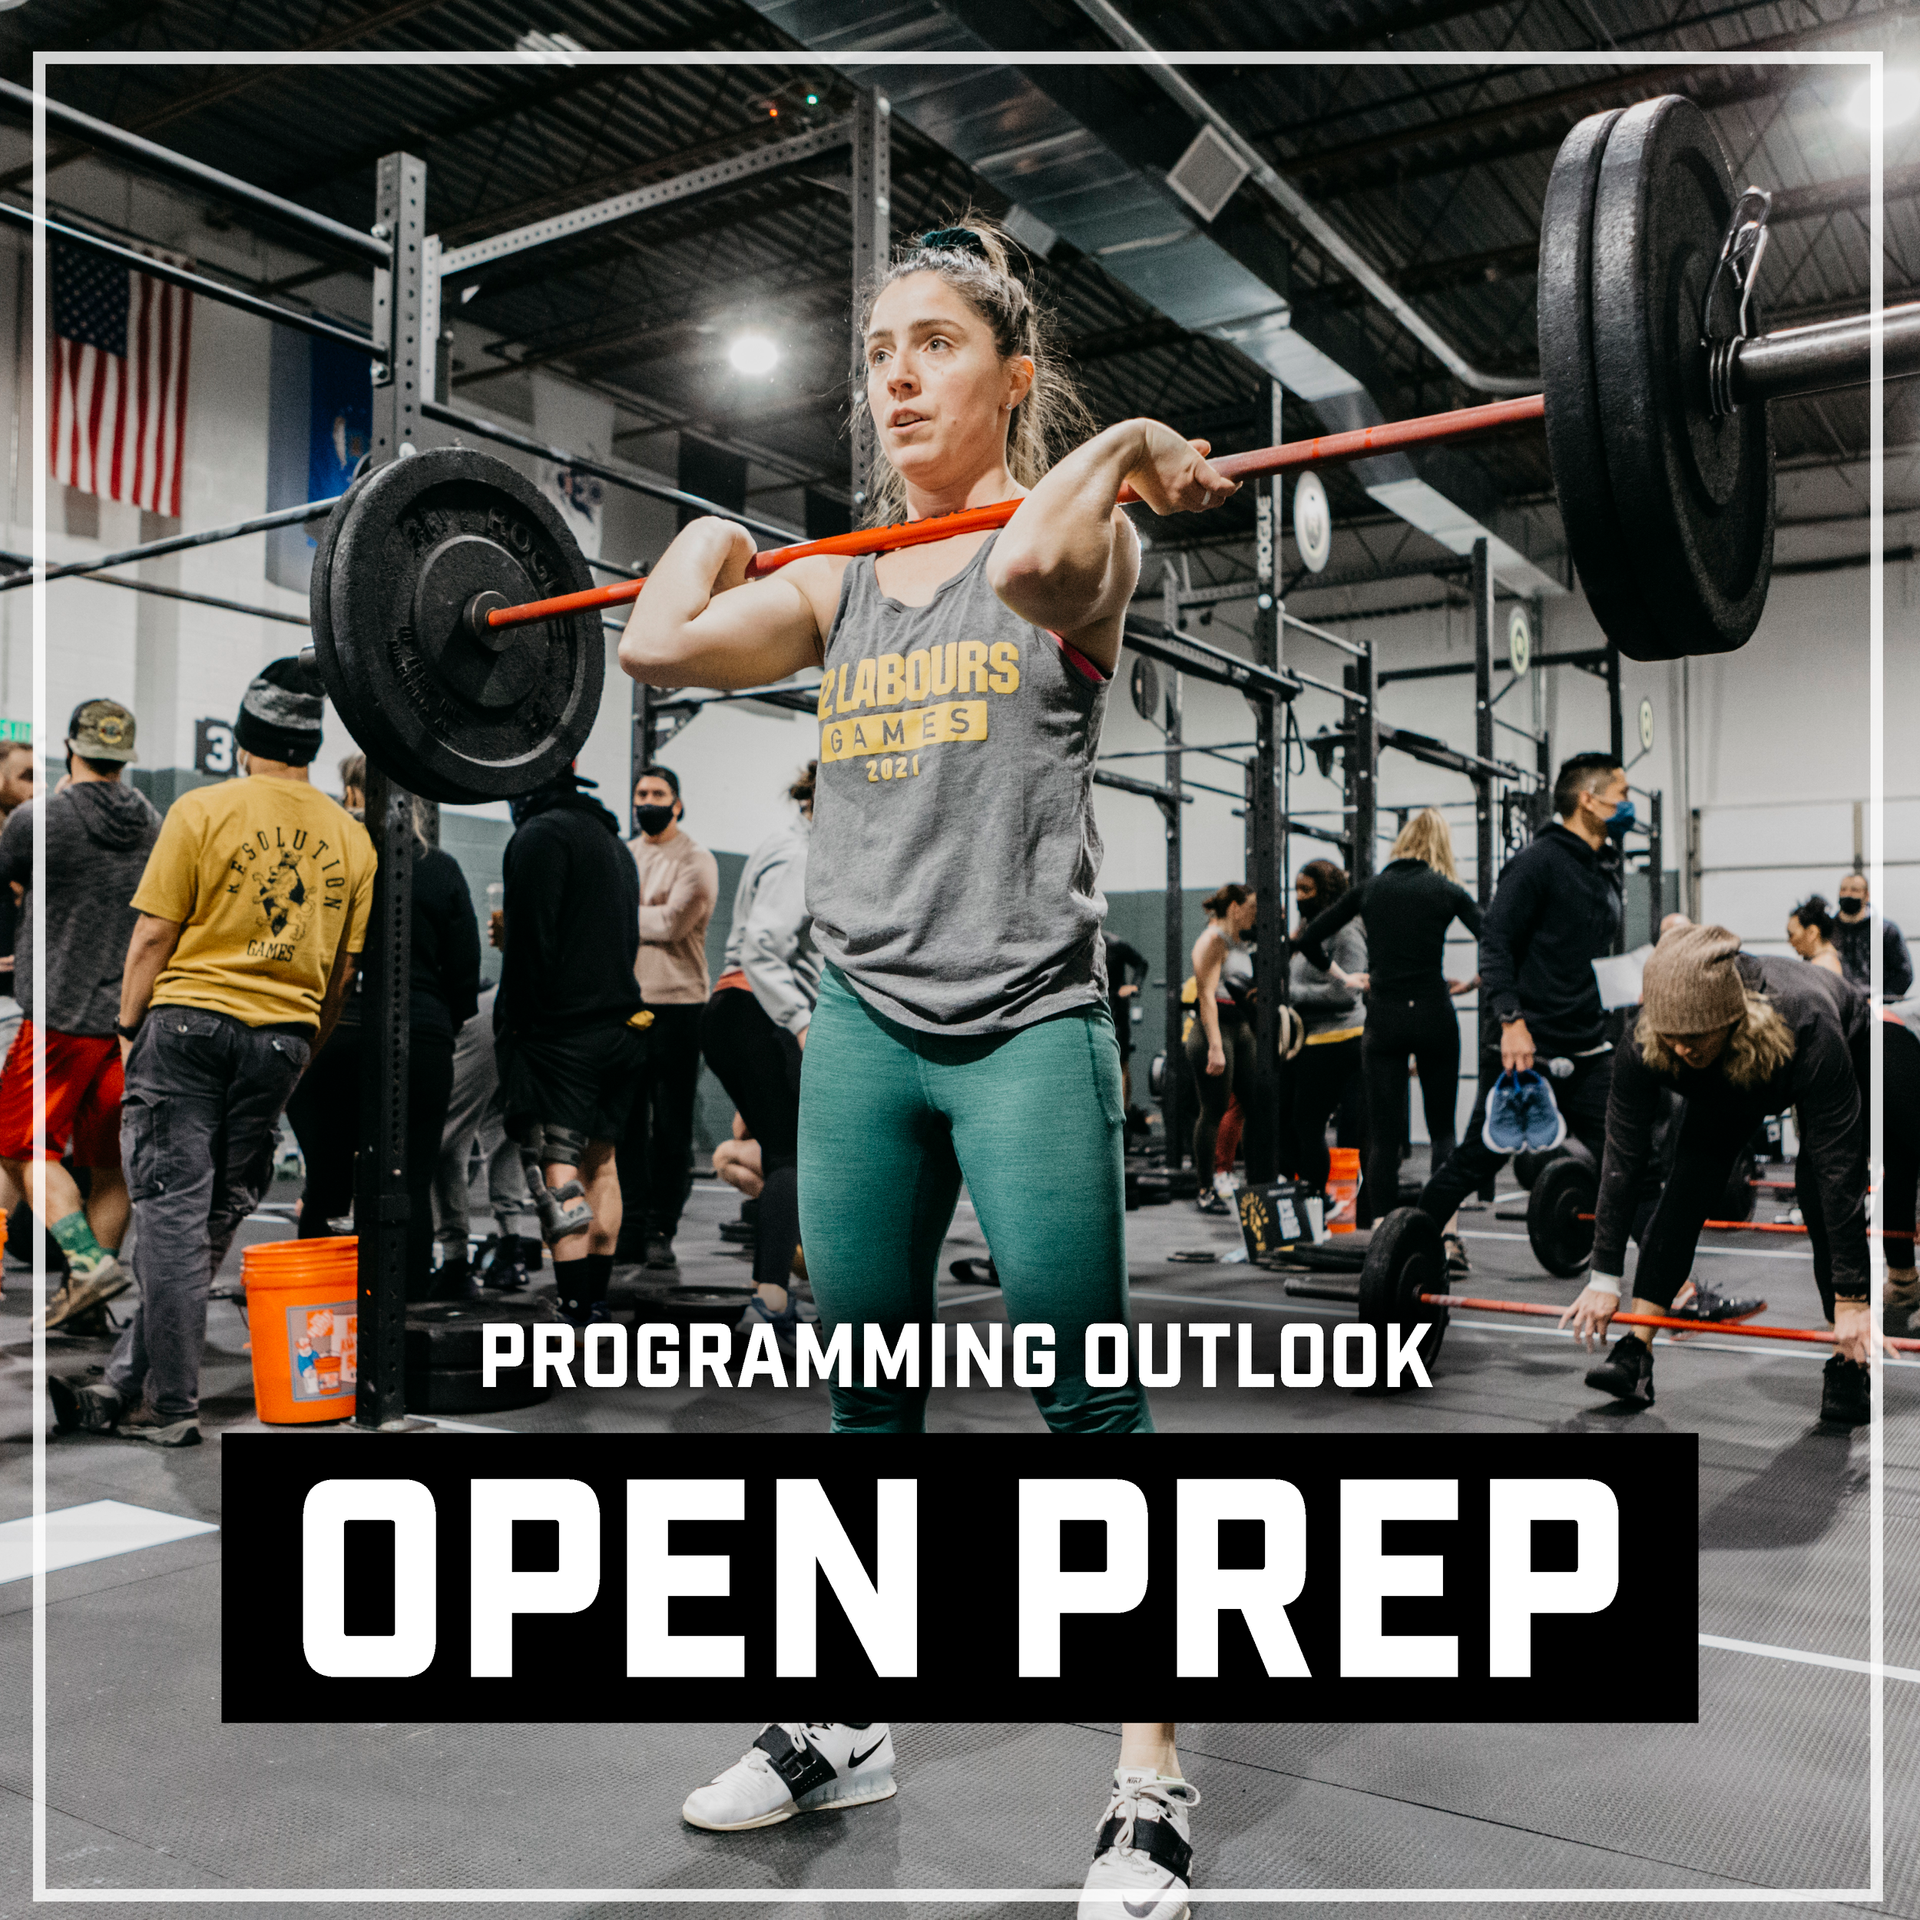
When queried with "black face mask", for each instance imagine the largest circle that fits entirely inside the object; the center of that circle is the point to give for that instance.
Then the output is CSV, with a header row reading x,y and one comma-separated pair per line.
x,y
653,819
1853,909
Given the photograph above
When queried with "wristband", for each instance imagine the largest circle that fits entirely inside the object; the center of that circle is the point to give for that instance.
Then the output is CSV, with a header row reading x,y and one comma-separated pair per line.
x,y
1604,1283
128,1033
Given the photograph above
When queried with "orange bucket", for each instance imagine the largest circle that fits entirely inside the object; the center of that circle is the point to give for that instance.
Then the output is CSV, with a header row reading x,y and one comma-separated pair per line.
x,y
1343,1188
303,1306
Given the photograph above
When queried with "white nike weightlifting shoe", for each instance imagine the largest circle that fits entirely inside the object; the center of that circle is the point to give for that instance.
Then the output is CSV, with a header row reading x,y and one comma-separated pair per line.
x,y
1143,1858
796,1766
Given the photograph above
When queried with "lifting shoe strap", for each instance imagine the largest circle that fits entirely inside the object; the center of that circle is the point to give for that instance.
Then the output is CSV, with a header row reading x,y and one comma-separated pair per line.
x,y
803,1767
1155,1838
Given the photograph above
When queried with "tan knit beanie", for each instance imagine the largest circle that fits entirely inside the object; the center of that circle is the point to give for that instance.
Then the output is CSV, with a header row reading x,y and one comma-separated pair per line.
x,y
1691,983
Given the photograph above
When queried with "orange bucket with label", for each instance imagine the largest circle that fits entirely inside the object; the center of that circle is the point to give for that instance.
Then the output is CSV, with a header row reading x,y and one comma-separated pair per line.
x,y
303,1306
1343,1188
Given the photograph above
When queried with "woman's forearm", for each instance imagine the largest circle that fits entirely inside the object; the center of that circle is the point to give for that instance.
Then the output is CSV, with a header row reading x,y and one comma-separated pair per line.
x,y
696,624
1054,562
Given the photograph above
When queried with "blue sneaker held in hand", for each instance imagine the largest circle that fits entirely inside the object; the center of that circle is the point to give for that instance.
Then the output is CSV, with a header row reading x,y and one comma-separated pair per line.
x,y
1521,1114
1540,1116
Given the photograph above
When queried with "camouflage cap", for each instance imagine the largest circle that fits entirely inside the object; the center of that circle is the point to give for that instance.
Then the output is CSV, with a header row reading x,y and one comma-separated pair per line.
x,y
101,730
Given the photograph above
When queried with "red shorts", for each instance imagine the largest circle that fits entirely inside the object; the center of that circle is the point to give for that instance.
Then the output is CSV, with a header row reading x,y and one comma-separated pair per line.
x,y
84,1087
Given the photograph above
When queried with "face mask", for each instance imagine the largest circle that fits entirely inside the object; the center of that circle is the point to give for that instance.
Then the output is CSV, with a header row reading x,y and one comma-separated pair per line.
x,y
1622,820
653,819
1853,909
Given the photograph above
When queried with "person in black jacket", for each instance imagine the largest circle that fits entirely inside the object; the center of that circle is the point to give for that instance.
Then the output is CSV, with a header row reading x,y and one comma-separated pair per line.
x,y
1738,1038
1407,906
568,1024
1854,933
1555,912
324,1109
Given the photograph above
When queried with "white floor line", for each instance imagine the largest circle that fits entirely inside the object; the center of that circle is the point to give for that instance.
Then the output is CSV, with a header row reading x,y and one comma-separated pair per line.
x,y
1911,1675
96,1531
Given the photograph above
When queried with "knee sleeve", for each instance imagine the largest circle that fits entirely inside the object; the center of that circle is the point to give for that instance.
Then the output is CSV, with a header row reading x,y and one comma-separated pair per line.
x,y
564,1145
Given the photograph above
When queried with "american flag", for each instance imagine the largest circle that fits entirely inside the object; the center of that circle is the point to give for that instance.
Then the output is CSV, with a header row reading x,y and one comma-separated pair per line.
x,y
118,392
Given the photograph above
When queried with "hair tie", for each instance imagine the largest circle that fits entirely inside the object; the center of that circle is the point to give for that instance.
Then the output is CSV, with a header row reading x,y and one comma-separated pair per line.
x,y
951,240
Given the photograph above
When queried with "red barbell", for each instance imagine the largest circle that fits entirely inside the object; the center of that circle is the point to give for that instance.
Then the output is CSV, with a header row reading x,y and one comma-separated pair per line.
x,y
1536,1310
1329,449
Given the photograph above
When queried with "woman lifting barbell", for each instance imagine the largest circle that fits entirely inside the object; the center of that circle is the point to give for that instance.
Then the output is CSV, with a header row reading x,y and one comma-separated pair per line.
x,y
962,1030
1738,1037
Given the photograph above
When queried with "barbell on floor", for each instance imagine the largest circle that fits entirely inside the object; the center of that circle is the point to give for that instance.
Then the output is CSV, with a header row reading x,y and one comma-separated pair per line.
x,y
1536,1310
1403,1283
1654,392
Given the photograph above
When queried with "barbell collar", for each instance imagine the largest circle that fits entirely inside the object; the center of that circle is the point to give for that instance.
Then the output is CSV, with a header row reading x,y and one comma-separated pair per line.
x,y
1821,358
494,639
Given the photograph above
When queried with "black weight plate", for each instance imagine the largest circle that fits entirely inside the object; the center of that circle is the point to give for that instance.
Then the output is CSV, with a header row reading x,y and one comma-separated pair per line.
x,y
1528,1162
446,716
444,1334
320,614
1404,1260
1576,447
1694,494
464,1389
689,1307
1562,1242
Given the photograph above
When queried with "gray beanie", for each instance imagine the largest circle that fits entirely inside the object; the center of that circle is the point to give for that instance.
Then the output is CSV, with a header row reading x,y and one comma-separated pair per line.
x,y
280,715
1692,981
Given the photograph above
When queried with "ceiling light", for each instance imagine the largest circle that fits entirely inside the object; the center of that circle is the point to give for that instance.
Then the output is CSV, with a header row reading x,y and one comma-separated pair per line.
x,y
1901,97
753,353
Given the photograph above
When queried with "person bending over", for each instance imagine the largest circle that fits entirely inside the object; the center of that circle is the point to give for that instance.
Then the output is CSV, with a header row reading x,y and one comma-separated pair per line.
x,y
1220,1041
1738,1038
962,1030
1555,912
753,1033
568,1025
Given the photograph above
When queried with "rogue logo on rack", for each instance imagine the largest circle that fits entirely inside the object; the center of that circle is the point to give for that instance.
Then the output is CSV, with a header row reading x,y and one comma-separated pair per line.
x,y
545,1578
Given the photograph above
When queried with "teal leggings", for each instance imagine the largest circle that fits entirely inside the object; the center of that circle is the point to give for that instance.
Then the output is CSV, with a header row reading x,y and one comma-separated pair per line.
x,y
892,1120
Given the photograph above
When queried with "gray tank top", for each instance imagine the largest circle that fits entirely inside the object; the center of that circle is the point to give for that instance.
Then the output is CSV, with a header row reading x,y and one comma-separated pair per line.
x,y
955,854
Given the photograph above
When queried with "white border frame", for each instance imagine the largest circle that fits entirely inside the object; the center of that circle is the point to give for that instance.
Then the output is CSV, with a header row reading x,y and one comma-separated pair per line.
x,y
1874,62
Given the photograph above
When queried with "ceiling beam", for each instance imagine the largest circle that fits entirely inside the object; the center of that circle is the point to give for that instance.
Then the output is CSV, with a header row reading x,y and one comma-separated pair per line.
x,y
238,80
421,136
603,186
1362,158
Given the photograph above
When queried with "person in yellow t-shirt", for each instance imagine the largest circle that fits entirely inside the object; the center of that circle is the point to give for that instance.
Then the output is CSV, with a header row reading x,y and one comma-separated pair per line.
x,y
252,907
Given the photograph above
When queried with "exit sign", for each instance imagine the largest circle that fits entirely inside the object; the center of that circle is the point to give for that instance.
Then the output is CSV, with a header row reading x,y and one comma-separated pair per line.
x,y
16,730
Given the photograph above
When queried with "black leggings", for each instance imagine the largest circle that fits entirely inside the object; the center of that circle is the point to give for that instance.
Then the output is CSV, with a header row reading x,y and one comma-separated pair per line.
x,y
759,1065
1426,1029
325,1113
1900,1177
1320,1077
1214,1090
